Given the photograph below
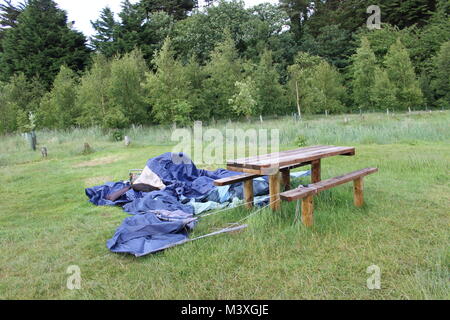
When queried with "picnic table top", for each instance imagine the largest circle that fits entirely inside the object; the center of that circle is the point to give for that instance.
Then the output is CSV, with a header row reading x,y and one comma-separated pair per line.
x,y
287,158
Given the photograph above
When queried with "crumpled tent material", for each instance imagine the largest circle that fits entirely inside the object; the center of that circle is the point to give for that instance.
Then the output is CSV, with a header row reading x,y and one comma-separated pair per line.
x,y
150,233
162,219
97,195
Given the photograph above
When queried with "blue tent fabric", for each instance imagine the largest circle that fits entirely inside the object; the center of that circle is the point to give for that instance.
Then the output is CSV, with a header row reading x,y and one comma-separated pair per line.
x,y
144,234
162,219
157,200
97,195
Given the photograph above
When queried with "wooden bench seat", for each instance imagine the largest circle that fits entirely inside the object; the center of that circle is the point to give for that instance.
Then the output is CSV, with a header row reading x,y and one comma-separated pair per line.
x,y
307,193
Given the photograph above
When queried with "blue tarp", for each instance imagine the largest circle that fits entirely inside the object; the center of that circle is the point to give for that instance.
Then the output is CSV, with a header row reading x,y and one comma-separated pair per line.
x,y
149,233
163,218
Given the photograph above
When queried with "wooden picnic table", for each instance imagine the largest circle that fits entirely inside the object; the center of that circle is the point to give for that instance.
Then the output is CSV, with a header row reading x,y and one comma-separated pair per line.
x,y
278,166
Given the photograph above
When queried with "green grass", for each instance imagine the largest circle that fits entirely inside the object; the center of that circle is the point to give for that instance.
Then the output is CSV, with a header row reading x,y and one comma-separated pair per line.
x,y
46,223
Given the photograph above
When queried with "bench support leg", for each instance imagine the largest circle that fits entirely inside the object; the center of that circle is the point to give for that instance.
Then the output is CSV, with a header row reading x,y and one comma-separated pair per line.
x,y
308,211
274,186
248,193
316,174
358,185
286,177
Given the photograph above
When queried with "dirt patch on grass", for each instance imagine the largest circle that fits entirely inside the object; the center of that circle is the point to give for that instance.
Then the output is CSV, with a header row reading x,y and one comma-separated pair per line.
x,y
97,162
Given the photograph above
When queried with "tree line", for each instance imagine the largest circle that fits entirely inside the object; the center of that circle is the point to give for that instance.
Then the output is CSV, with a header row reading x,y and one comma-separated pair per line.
x,y
172,62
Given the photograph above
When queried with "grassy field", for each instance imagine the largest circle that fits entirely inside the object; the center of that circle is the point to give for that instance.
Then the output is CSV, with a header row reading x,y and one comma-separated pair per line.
x,y
47,224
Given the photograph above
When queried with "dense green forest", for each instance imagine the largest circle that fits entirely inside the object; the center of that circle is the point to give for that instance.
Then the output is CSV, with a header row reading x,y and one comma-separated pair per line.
x,y
169,61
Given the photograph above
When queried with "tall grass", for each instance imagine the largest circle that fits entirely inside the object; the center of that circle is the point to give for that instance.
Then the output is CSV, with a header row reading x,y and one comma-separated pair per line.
x,y
338,130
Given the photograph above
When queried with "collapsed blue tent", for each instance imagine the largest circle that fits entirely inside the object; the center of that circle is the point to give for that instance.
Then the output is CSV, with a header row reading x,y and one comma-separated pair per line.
x,y
163,218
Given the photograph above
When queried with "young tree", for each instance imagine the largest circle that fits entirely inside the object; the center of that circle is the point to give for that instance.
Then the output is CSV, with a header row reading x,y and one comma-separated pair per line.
x,y
269,93
168,88
381,40
328,83
441,76
243,102
363,69
58,108
94,97
401,73
126,91
224,70
382,91
300,74
42,42
18,99
316,84
196,75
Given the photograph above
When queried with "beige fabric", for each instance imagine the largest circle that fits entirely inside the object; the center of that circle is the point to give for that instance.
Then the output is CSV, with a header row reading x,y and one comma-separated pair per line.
x,y
150,178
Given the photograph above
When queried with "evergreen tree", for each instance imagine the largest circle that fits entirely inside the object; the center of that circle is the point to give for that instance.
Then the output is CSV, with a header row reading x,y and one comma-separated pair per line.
x,y
169,88
135,29
58,108
9,13
298,12
42,42
269,93
401,73
431,37
441,76
224,70
131,27
363,67
332,43
407,13
107,29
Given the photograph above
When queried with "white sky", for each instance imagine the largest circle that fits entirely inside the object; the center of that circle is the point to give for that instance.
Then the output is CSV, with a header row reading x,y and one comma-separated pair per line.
x,y
83,11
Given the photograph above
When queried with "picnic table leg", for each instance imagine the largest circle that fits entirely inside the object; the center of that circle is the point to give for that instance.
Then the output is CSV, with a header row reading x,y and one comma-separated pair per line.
x,y
248,194
308,211
316,175
286,177
274,186
358,185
